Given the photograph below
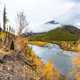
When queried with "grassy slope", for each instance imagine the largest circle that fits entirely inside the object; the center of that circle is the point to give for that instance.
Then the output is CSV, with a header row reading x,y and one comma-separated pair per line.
x,y
59,34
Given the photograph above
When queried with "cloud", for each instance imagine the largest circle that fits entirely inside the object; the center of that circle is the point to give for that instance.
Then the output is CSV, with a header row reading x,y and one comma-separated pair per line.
x,y
72,16
76,1
40,11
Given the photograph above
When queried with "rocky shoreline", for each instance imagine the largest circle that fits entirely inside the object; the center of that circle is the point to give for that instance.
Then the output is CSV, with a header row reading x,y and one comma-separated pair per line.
x,y
13,68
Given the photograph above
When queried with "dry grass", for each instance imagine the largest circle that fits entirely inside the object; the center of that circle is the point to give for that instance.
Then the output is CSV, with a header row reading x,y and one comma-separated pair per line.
x,y
39,43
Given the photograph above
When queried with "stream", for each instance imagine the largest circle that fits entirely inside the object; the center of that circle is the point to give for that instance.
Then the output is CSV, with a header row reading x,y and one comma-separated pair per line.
x,y
61,59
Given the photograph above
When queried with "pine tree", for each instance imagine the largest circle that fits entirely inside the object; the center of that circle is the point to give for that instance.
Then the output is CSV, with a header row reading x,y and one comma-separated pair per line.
x,y
4,23
4,18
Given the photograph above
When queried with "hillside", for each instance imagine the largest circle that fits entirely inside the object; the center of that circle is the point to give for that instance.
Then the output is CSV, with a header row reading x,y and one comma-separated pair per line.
x,y
19,62
64,33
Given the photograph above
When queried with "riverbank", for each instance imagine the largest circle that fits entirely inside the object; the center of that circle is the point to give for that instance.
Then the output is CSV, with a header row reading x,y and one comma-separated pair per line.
x,y
66,45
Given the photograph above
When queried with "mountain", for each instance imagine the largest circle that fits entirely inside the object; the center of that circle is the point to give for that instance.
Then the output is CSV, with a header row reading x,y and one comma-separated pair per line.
x,y
63,33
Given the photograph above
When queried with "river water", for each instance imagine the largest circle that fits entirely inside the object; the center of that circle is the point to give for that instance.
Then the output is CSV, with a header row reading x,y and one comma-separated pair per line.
x,y
61,59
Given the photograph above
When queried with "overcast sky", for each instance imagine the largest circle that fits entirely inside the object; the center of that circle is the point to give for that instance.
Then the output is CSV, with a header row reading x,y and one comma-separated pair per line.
x,y
41,11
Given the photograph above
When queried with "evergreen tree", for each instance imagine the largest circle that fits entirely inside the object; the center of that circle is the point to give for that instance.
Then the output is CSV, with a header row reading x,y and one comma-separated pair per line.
x,y
4,18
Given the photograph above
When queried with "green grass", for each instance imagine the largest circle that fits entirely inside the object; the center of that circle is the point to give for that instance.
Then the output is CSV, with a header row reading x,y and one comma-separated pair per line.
x,y
59,34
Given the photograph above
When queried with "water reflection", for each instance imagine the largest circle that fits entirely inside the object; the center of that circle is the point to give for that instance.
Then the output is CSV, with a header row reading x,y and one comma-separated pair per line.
x,y
52,52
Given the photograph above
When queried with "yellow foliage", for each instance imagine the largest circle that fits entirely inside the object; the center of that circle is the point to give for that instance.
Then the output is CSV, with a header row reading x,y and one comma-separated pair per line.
x,y
48,67
76,61
2,35
77,76
37,61
50,72
77,48
39,43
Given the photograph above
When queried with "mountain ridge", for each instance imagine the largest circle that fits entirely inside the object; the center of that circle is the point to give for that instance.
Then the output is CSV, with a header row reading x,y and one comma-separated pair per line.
x,y
65,32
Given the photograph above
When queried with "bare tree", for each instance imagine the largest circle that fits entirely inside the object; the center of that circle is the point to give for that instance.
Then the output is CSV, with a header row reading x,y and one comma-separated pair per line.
x,y
22,22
